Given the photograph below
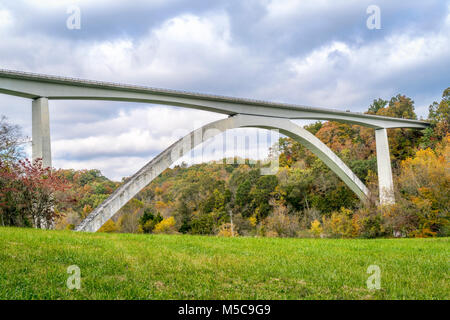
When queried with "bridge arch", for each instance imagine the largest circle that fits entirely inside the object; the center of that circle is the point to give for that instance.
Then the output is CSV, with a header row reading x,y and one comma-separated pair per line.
x,y
156,166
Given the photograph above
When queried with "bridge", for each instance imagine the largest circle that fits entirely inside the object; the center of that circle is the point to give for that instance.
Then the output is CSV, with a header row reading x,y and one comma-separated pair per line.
x,y
242,113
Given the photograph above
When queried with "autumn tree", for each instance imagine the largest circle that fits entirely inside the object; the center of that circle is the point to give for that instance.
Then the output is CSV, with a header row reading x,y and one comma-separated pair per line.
x,y
149,220
401,141
439,117
424,180
30,195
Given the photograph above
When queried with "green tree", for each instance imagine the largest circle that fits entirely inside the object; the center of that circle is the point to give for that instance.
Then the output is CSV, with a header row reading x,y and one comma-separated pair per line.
x,y
149,220
376,105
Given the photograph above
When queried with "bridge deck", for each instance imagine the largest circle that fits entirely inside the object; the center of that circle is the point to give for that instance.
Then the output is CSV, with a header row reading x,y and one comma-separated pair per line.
x,y
31,85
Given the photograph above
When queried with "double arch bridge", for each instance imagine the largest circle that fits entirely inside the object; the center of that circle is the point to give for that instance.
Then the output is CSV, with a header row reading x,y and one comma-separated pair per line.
x,y
242,113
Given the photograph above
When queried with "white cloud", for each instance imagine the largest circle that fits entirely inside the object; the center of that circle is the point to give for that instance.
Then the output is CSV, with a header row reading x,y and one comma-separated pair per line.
x,y
113,167
339,75
6,20
184,49
199,52
134,131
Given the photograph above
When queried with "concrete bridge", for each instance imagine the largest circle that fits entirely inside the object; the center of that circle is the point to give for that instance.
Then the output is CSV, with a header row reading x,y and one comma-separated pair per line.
x,y
242,113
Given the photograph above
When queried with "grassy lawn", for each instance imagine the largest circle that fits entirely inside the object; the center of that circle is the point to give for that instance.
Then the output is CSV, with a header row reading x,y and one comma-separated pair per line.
x,y
33,265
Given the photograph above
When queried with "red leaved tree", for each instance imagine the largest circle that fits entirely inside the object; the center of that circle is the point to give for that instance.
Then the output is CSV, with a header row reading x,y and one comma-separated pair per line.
x,y
29,194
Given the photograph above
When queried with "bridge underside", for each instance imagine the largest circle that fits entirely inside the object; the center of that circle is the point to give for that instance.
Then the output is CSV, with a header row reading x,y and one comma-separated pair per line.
x,y
242,112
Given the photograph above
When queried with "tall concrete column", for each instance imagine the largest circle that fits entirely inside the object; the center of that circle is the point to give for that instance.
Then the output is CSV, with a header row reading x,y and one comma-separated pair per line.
x,y
385,181
41,145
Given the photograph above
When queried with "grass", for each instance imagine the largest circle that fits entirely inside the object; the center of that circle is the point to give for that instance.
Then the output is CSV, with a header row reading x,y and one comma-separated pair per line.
x,y
33,265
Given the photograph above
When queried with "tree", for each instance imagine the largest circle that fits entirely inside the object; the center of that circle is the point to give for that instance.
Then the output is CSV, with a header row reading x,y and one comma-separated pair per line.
x,y
202,224
376,105
279,223
439,116
424,181
166,226
316,228
109,227
30,195
401,141
11,141
399,106
149,220
183,216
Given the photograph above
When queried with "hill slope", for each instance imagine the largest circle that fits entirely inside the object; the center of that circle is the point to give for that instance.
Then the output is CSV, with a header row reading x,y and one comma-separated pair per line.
x,y
33,265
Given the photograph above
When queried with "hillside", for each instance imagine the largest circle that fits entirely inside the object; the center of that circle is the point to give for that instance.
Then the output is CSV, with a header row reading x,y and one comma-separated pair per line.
x,y
33,265
304,198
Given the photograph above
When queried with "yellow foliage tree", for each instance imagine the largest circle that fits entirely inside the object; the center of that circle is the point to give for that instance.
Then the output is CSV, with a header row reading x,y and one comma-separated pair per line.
x,y
253,221
109,227
166,226
340,224
227,230
424,180
86,210
316,228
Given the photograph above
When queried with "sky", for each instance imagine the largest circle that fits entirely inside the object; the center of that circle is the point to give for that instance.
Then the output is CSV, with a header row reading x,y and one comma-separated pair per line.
x,y
319,53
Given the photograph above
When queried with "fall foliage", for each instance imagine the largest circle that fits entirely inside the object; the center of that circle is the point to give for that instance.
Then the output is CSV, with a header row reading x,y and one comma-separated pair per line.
x,y
304,199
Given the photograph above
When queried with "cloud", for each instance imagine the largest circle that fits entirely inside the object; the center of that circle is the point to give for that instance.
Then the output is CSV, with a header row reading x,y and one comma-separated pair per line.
x,y
6,20
133,132
317,53
341,75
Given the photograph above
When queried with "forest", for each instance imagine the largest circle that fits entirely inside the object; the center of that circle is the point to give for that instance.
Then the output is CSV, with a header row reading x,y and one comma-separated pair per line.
x,y
304,198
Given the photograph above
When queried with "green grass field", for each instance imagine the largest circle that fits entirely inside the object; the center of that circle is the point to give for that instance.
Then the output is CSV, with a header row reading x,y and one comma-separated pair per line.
x,y
33,265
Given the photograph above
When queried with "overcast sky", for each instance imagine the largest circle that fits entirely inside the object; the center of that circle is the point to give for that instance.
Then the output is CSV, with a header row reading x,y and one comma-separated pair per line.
x,y
311,52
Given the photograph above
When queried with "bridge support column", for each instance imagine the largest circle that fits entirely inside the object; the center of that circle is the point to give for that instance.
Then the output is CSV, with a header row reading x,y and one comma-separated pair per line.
x,y
41,144
385,181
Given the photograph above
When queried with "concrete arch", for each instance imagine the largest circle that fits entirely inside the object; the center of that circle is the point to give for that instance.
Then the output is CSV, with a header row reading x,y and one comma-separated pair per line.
x,y
157,165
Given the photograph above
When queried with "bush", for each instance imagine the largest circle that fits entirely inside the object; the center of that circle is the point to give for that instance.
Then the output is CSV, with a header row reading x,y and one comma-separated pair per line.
x,y
227,230
316,229
339,224
280,224
309,215
244,226
149,220
202,224
166,226
109,227
368,222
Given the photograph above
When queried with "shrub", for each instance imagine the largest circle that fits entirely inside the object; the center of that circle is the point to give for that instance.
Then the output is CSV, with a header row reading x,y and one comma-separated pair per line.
x,y
244,226
280,223
166,226
109,227
227,230
339,224
307,216
149,220
316,229
202,224
368,222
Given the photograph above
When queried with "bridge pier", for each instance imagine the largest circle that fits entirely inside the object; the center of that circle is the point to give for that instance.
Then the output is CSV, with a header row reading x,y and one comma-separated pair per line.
x,y
41,143
385,181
